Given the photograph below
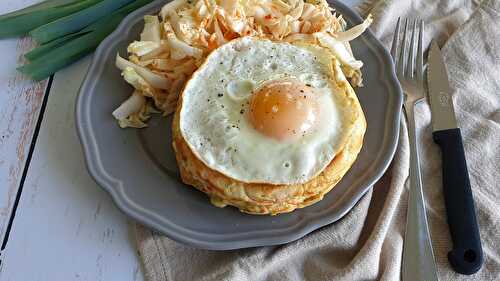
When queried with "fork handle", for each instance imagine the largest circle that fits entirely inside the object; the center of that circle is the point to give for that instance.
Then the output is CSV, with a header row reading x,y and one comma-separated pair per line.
x,y
418,257
467,254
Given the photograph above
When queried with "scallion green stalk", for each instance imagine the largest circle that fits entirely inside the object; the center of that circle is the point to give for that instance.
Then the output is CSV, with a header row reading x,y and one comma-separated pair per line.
x,y
21,22
37,7
77,21
65,52
45,48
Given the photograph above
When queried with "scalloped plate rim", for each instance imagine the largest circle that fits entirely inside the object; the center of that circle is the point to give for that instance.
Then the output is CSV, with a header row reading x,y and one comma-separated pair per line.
x,y
260,238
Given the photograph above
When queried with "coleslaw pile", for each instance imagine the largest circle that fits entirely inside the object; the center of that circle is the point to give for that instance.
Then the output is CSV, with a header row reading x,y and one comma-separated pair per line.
x,y
175,43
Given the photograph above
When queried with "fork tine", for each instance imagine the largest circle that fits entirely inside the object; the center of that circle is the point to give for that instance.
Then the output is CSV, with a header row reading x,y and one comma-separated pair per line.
x,y
410,69
395,40
420,51
401,65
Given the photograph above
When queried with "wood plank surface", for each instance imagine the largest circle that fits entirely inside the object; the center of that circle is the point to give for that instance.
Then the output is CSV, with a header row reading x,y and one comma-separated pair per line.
x,y
66,227
20,103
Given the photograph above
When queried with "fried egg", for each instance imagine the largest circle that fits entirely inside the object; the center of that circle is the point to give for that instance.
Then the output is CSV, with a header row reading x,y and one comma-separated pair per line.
x,y
266,112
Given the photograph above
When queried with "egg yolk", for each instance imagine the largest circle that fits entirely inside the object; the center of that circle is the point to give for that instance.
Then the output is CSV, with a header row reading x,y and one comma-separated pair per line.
x,y
284,109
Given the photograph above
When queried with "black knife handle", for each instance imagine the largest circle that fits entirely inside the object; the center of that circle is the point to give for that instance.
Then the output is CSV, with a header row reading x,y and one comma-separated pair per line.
x,y
467,254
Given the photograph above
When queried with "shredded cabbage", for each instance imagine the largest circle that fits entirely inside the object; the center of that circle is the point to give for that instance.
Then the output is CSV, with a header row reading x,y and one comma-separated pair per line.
x,y
171,6
141,48
338,49
180,49
355,31
131,106
130,75
151,30
152,78
138,120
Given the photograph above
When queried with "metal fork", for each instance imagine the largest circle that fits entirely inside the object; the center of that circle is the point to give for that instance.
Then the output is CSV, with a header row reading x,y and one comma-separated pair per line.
x,y
418,258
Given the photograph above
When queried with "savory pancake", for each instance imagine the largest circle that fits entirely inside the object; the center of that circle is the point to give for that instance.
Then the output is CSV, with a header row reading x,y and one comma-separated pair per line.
x,y
226,187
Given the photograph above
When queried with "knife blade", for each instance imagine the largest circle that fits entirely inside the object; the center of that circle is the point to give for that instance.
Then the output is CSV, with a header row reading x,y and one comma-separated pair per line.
x,y
466,257
443,113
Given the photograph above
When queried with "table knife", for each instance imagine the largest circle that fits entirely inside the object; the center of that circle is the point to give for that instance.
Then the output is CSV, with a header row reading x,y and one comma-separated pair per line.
x,y
466,257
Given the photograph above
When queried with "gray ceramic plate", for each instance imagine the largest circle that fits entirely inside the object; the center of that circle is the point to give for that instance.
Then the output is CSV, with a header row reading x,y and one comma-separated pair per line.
x,y
138,168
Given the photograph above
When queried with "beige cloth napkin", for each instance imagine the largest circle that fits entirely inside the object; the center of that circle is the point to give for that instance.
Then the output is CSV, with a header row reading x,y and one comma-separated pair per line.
x,y
367,243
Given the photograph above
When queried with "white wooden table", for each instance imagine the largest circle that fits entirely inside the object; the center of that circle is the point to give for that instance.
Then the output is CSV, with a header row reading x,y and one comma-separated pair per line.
x,y
55,222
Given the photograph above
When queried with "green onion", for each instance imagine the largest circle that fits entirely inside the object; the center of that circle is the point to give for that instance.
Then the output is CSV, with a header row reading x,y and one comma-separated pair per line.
x,y
63,53
21,22
37,7
76,21
45,48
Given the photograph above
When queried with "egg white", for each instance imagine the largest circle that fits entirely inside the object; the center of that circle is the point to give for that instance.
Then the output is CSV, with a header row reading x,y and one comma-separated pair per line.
x,y
215,104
